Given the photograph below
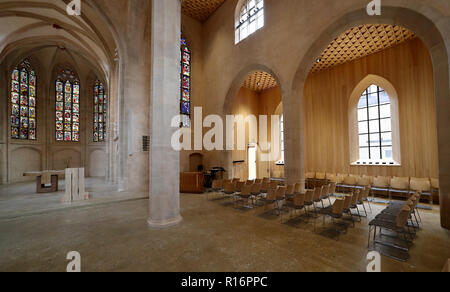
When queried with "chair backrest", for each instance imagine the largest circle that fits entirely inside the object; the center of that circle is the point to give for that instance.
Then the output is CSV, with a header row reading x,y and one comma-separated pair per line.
x,y
363,181
330,176
340,178
239,186
309,196
299,200
246,190
434,183
225,181
403,216
310,175
230,187
258,181
317,193
347,201
350,180
265,186
332,189
360,195
271,195
355,197
217,184
266,179
273,185
365,193
324,192
370,178
298,188
236,180
256,188
420,184
281,193
338,207
400,183
250,182
290,190
320,175
381,182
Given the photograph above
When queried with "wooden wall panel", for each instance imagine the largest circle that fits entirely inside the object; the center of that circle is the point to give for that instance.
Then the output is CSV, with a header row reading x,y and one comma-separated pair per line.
x,y
408,67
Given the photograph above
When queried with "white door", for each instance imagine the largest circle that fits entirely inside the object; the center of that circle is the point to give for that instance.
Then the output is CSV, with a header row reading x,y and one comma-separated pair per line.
x,y
252,162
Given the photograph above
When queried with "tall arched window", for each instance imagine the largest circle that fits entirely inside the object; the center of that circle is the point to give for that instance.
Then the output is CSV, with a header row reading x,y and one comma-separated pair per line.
x,y
23,102
185,103
249,19
100,112
67,107
375,126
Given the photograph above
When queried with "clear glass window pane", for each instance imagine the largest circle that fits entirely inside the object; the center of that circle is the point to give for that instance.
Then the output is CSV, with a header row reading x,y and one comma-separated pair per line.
x,y
364,153
386,125
375,153
362,114
385,111
387,153
374,139
362,102
373,99
373,112
363,140
374,126
363,128
386,139
384,97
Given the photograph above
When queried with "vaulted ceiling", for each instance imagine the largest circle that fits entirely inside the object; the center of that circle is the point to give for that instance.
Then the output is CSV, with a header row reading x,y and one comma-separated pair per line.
x,y
32,25
200,9
359,42
259,81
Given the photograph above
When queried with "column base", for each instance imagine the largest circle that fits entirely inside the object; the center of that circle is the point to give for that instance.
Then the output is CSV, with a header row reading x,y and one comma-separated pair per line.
x,y
160,224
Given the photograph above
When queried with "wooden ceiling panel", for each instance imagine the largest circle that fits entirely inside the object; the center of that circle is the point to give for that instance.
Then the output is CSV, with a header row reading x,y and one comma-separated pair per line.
x,y
200,9
361,41
259,81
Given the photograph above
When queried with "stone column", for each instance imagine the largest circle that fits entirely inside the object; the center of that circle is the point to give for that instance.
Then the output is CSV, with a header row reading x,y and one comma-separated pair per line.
x,y
164,105
294,141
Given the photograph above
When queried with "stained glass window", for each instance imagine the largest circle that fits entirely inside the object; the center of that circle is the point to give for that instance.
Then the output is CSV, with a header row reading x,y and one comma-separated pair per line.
x,y
23,102
100,110
374,125
67,107
250,19
185,104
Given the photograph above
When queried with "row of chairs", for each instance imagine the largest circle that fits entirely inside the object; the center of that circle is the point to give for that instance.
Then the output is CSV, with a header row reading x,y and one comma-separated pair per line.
x,y
380,185
401,219
290,198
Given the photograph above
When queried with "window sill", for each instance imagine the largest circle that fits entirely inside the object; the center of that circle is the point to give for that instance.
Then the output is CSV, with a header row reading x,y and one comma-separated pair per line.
x,y
376,163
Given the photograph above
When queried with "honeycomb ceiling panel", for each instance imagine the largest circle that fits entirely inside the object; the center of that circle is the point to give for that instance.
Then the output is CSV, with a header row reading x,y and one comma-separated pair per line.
x,y
259,81
200,9
359,42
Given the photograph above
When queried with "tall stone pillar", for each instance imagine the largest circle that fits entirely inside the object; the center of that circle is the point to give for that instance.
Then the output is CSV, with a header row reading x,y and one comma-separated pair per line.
x,y
164,105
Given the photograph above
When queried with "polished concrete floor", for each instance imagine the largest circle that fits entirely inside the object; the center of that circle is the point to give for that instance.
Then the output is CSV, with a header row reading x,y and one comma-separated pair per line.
x,y
112,235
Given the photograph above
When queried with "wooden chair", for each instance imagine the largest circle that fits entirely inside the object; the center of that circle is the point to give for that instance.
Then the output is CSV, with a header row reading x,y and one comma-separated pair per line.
x,y
217,187
399,186
281,196
290,190
380,185
245,195
423,186
325,195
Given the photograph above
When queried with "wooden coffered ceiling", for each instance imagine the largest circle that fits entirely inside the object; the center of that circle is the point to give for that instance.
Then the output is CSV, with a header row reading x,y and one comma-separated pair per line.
x,y
259,81
361,41
200,9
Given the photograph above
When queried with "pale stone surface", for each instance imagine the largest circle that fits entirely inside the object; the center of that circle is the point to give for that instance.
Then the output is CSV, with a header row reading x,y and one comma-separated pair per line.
x,y
164,106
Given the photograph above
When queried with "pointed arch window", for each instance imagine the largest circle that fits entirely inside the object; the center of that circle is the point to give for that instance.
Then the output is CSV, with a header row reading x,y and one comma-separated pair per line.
x,y
67,107
23,102
375,126
185,103
249,19
100,112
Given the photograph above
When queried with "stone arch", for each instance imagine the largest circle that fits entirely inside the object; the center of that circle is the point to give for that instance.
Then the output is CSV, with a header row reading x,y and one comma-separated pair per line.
x,y
429,25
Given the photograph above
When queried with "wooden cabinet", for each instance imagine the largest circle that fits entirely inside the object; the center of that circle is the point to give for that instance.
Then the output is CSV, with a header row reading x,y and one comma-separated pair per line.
x,y
191,182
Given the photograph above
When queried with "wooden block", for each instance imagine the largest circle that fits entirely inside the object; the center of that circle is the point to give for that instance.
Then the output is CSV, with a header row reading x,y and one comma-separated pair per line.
x,y
75,194
81,185
68,193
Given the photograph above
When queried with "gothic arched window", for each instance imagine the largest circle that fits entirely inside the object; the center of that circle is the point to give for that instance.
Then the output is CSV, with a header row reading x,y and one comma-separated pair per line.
x,y
23,102
375,125
100,112
249,19
67,107
185,103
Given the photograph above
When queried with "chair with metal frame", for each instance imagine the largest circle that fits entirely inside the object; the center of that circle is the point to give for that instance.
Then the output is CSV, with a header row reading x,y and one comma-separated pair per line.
x,y
290,192
399,185
217,186
281,197
297,204
380,185
325,195
245,195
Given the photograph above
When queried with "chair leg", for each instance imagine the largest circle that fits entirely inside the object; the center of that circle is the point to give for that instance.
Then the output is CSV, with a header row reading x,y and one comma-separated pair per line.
x,y
329,200
418,213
